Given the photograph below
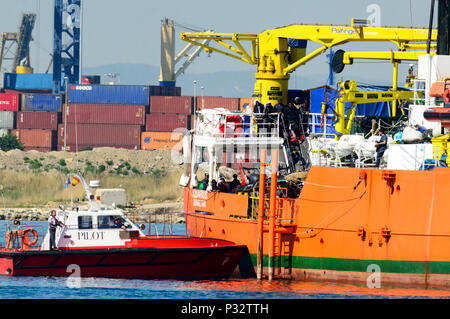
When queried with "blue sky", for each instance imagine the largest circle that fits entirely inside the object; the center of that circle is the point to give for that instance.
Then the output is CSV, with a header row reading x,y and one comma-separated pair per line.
x,y
129,31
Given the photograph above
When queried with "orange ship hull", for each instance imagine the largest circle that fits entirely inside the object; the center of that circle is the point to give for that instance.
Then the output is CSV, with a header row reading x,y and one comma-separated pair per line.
x,y
346,223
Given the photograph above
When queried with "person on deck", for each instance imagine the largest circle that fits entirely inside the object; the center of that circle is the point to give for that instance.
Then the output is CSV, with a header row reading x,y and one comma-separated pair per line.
x,y
53,222
235,182
381,147
258,110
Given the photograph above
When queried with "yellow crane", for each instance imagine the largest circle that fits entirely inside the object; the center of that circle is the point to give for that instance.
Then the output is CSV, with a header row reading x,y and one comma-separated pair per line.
x,y
276,59
349,93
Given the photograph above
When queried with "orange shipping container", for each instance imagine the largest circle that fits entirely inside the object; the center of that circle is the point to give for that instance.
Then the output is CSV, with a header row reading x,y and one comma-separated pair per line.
x,y
36,138
161,140
244,102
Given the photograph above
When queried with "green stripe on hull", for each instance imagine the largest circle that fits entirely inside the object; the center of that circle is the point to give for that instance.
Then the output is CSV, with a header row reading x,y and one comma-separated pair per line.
x,y
341,264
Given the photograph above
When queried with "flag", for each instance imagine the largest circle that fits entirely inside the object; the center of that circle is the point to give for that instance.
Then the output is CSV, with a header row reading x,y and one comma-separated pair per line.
x,y
67,183
75,181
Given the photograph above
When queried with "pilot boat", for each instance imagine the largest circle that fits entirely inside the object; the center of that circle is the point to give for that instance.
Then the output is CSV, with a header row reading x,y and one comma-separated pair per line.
x,y
91,242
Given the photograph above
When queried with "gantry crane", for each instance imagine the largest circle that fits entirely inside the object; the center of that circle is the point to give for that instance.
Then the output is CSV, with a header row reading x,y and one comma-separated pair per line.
x,y
21,56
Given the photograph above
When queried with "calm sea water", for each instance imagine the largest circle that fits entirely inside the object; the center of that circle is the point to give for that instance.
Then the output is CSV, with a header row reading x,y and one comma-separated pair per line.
x,y
102,288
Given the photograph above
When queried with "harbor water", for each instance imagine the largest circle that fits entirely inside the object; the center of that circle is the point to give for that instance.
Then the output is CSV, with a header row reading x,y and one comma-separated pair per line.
x,y
233,288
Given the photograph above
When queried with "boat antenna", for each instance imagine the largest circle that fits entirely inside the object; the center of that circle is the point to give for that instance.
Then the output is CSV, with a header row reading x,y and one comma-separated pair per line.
x,y
430,26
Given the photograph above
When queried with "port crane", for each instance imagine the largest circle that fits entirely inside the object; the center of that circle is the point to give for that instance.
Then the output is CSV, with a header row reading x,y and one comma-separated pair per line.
x,y
168,71
20,57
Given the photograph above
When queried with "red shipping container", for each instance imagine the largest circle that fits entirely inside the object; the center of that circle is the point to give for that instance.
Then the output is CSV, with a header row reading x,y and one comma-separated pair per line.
x,y
166,122
100,134
212,102
171,104
36,137
75,147
38,120
9,101
105,114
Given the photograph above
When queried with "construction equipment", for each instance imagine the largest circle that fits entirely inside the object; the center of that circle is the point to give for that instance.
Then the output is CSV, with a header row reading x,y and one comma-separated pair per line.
x,y
277,54
168,74
20,57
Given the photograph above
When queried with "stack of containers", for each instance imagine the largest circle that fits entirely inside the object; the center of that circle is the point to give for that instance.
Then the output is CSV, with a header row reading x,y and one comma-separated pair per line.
x,y
37,121
169,118
104,116
9,104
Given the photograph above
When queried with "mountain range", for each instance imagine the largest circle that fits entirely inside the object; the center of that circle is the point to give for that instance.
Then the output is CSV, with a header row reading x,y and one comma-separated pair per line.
x,y
218,83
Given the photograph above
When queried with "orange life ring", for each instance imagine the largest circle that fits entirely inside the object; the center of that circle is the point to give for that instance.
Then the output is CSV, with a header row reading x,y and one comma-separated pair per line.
x,y
446,96
26,237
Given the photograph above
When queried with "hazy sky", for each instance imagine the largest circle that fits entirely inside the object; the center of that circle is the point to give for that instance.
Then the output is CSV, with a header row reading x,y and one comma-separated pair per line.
x,y
129,31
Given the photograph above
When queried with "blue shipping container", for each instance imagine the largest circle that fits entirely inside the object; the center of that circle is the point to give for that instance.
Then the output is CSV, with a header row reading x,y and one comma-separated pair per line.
x,y
109,94
27,81
41,102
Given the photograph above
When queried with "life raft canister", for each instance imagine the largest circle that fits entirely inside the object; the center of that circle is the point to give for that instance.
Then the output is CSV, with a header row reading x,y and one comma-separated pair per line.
x,y
26,237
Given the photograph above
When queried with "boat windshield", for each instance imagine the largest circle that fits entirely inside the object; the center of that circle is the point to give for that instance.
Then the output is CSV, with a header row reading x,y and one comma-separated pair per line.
x,y
111,221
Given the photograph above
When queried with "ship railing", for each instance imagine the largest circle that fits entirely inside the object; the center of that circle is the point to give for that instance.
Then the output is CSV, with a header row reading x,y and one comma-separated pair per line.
x,y
285,212
238,125
321,126
419,86
15,239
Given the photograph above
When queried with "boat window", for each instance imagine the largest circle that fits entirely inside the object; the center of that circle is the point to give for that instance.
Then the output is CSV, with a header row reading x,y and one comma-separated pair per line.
x,y
110,221
84,222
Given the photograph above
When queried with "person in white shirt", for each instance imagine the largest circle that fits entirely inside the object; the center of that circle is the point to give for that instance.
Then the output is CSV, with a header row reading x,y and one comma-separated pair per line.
x,y
53,222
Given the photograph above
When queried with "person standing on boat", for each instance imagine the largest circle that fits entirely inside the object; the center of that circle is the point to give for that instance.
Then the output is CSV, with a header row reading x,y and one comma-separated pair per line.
x,y
381,147
280,108
268,120
258,110
53,222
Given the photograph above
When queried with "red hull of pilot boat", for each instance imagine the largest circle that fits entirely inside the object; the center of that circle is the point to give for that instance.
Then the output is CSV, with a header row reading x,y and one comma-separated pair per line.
x,y
148,258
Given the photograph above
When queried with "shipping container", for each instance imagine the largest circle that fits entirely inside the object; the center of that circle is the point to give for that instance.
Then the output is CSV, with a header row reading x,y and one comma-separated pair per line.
x,y
38,120
170,91
244,103
82,147
171,104
41,102
7,119
100,134
108,94
28,81
161,140
166,122
36,137
211,102
9,101
105,114
90,79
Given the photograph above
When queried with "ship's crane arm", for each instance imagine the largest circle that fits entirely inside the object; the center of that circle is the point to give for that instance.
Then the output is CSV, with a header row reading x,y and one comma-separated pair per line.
x,y
275,58
349,93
